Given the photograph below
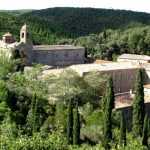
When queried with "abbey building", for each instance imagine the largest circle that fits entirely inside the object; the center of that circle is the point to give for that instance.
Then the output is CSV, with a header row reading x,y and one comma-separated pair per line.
x,y
53,55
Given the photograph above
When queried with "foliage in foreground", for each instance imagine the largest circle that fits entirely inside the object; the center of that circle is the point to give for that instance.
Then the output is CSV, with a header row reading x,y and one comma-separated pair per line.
x,y
55,141
29,121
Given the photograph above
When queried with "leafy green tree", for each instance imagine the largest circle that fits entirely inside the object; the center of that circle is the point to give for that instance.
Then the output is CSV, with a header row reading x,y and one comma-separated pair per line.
x,y
8,127
122,130
109,97
145,131
70,123
76,126
7,65
69,85
138,105
3,99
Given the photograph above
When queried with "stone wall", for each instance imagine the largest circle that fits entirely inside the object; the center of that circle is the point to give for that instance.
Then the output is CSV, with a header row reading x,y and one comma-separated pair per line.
x,y
123,79
59,57
26,52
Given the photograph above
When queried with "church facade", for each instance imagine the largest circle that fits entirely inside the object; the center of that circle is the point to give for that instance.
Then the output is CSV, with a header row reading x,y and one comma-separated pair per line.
x,y
53,55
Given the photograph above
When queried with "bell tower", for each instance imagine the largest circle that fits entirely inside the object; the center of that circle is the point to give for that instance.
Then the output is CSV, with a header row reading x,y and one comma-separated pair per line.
x,y
24,34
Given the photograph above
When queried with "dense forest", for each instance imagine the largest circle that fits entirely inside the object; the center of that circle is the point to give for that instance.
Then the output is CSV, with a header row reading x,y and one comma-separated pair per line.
x,y
111,43
104,33
66,111
75,22
40,31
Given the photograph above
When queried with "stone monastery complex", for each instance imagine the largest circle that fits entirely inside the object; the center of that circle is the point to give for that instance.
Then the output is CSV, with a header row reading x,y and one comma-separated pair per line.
x,y
123,71
53,55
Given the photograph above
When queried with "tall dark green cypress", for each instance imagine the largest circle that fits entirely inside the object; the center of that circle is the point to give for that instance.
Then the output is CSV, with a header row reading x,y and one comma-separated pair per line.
x,y
32,117
122,129
35,115
76,126
70,123
109,97
104,34
138,105
145,131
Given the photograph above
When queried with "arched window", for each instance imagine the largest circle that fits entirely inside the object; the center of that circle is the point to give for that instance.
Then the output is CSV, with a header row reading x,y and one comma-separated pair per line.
x,y
22,35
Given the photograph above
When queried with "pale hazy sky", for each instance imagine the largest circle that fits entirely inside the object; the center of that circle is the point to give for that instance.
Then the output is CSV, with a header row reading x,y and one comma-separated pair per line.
x,y
137,5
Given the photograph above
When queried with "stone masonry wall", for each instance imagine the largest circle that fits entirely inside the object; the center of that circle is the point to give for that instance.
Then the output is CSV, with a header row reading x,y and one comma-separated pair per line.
x,y
59,57
123,79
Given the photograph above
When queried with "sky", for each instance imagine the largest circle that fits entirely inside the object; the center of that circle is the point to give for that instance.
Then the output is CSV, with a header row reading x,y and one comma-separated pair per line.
x,y
136,5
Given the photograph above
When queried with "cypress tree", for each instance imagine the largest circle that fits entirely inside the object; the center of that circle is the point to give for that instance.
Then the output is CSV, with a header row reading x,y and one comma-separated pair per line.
x,y
138,105
145,131
60,116
104,35
122,130
109,97
35,115
32,117
103,103
76,126
70,123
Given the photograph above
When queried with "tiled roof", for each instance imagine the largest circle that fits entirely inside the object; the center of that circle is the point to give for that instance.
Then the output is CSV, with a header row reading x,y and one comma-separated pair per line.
x,y
56,47
147,86
83,68
134,57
